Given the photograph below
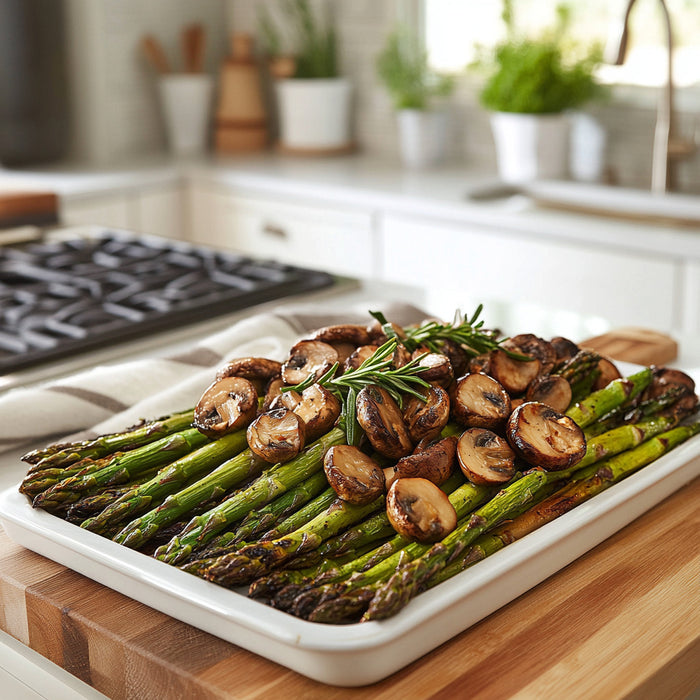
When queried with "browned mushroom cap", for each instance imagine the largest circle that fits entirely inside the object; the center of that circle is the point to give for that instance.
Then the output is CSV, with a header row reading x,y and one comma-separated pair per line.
x,y
564,348
480,363
551,389
352,333
354,476
419,510
276,436
377,334
344,350
425,419
531,345
664,379
438,368
434,462
608,372
381,419
319,409
390,476
251,368
544,437
458,357
401,356
513,375
484,457
307,358
273,391
227,405
479,401
364,352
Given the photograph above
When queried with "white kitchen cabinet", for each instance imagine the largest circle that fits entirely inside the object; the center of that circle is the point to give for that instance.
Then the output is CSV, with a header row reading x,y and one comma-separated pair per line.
x,y
338,240
690,321
159,211
112,209
470,263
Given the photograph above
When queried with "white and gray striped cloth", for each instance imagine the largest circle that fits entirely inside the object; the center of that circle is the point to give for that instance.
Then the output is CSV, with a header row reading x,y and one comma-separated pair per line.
x,y
110,398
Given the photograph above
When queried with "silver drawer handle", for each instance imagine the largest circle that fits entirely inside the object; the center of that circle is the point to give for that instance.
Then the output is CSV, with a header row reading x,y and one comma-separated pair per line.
x,y
273,230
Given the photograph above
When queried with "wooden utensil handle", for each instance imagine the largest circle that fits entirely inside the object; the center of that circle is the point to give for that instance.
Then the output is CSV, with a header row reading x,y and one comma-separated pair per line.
x,y
153,51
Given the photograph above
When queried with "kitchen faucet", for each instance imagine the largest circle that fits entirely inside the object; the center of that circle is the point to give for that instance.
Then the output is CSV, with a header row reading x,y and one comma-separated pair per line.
x,y
667,147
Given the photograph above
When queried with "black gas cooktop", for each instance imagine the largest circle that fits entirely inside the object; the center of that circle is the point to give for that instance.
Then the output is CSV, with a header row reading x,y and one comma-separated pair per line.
x,y
59,297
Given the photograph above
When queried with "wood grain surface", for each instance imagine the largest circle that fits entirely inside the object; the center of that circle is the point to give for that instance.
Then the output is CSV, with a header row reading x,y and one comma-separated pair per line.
x,y
623,621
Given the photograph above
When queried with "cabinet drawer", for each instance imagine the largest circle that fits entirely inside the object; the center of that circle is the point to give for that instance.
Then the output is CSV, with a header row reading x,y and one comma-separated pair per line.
x,y
101,210
482,264
338,241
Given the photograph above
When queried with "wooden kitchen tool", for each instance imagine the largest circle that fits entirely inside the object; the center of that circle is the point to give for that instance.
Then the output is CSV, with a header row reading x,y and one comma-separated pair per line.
x,y
193,40
241,119
154,53
639,345
28,208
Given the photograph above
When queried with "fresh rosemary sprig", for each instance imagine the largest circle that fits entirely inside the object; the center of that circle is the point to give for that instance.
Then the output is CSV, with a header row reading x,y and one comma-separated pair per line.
x,y
469,333
375,370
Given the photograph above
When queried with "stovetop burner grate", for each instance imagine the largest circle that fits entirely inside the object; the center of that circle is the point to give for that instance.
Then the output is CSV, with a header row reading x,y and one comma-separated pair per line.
x,y
58,297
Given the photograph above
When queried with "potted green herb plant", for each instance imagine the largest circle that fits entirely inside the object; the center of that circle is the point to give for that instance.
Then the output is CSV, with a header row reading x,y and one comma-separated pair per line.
x,y
313,98
533,83
415,91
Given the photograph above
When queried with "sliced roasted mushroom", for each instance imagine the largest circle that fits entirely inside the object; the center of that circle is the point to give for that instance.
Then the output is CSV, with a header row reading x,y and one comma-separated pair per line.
x,y
227,405
286,399
484,457
251,368
533,346
401,356
458,357
479,401
364,352
608,372
437,367
479,363
513,375
381,419
390,476
551,389
353,475
564,348
344,351
426,418
419,510
434,462
544,437
308,358
276,436
274,389
319,409
665,378
352,333
377,334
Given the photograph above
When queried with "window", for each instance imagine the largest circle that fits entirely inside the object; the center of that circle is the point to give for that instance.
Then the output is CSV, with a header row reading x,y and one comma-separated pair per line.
x,y
454,27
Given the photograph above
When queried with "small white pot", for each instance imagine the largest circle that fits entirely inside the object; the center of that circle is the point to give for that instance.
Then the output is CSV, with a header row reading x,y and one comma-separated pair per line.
x,y
422,137
531,146
314,113
186,100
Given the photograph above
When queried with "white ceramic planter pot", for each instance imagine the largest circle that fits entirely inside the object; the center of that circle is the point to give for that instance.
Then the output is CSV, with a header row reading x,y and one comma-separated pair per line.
x,y
531,146
314,113
422,137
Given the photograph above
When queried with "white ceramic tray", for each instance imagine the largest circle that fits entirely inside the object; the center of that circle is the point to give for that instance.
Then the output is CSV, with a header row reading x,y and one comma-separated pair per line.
x,y
358,654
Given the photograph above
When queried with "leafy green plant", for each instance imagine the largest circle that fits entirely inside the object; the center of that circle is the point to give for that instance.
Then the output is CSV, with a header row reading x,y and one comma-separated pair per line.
x,y
403,68
546,74
313,38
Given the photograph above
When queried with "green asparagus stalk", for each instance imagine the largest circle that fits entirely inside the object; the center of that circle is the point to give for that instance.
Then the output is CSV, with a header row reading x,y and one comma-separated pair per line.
x,y
171,479
409,580
256,559
203,528
579,366
122,468
65,454
613,395
259,521
97,500
582,387
303,599
211,487
40,480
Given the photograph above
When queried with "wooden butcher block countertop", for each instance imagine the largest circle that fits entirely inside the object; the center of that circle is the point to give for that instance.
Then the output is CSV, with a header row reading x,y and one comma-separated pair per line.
x,y
623,621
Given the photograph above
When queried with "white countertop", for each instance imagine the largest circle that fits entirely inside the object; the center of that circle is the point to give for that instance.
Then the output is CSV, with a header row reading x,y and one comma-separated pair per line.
x,y
360,181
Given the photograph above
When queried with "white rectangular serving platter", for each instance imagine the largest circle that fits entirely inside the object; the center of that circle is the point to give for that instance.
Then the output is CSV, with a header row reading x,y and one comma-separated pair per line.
x,y
359,654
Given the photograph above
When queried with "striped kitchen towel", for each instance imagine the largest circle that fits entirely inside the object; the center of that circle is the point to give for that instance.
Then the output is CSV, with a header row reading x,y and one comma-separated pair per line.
x,y
109,398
